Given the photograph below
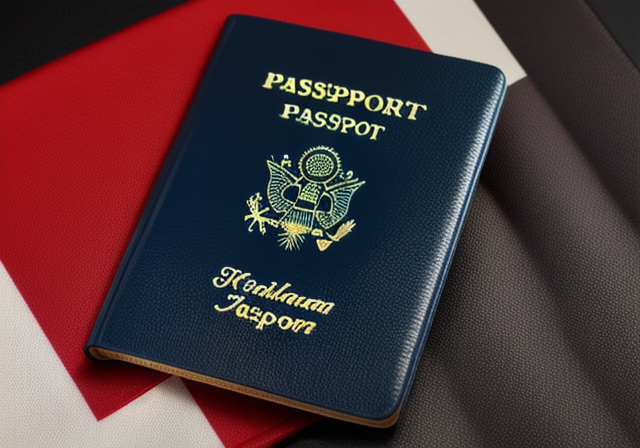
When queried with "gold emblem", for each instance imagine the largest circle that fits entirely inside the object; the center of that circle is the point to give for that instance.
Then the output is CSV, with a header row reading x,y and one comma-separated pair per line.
x,y
311,198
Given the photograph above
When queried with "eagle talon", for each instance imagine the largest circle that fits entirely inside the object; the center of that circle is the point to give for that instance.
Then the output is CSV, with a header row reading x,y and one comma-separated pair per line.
x,y
256,214
343,230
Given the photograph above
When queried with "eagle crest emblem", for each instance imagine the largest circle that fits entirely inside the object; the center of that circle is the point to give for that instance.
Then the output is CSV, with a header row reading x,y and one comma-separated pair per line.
x,y
309,198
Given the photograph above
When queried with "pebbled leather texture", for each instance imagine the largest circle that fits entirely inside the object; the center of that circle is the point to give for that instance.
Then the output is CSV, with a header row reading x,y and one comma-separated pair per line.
x,y
384,277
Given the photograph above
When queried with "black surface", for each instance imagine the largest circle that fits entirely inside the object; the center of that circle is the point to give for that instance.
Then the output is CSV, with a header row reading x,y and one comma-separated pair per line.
x,y
33,33
622,18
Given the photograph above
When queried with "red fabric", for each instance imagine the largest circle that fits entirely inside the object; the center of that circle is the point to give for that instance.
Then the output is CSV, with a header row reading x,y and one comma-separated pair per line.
x,y
81,142
231,414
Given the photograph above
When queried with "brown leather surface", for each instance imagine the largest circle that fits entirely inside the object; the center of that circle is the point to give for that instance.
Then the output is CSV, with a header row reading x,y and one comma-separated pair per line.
x,y
536,341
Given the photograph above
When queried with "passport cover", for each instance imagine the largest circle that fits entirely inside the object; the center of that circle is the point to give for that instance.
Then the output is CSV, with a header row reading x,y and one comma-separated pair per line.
x,y
299,234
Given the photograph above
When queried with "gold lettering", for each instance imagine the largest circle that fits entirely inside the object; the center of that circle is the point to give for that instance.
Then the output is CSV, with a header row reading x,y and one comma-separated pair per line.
x,y
414,109
321,117
239,278
334,119
256,312
338,92
229,273
310,326
290,109
334,93
258,290
242,311
325,307
320,91
263,290
288,297
238,299
378,98
317,305
285,322
268,318
366,129
272,78
394,105
249,285
276,295
305,84
347,123
299,324
376,128
289,86
305,118
356,97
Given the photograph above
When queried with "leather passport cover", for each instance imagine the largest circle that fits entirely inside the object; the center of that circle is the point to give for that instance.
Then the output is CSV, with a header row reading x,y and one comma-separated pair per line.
x,y
299,234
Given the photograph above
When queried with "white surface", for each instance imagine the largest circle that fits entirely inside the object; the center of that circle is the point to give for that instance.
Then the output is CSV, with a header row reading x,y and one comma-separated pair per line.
x,y
458,28
40,405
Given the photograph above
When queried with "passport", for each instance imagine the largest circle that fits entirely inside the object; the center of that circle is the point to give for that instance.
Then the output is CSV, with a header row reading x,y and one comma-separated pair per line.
x,y
299,234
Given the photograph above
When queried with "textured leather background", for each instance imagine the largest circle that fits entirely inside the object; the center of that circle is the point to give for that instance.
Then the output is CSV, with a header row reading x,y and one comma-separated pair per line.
x,y
536,339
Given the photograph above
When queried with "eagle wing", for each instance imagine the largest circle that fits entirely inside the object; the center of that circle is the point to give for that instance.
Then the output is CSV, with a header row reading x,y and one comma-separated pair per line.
x,y
340,197
279,180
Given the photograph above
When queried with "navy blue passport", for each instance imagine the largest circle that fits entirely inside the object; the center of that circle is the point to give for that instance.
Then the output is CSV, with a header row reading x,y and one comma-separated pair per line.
x,y
299,235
